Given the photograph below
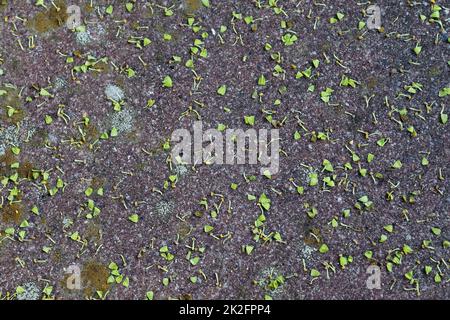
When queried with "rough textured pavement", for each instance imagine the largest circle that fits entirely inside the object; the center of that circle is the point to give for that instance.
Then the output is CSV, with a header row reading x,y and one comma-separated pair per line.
x,y
88,186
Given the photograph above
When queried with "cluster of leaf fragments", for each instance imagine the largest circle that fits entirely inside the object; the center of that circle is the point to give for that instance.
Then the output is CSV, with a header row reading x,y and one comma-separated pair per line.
x,y
86,177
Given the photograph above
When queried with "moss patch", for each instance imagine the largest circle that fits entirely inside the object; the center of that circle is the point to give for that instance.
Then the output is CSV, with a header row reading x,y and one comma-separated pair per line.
x,y
50,19
11,99
95,278
314,238
183,229
3,4
93,232
192,5
25,170
6,161
12,213
39,138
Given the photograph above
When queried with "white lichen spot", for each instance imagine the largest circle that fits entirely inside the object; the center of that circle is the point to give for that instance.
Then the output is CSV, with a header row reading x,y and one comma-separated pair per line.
x,y
164,208
180,170
59,83
271,281
114,92
307,252
31,292
123,121
83,37
8,136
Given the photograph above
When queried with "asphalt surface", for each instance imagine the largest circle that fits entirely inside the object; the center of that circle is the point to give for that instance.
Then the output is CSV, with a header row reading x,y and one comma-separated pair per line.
x,y
87,184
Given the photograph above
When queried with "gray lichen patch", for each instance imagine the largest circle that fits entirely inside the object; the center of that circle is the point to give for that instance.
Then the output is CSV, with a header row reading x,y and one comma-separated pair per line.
x,y
123,120
180,170
86,178
59,83
83,37
114,92
164,208
272,281
29,291
8,136
15,136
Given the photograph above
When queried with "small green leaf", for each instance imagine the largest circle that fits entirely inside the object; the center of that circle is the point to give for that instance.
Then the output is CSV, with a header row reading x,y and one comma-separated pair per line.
x,y
88,191
323,248
167,82
397,164
313,179
428,269
436,231
437,278
249,249
222,90
417,49
194,261
264,201
381,142
343,261
250,120
149,295
361,25
75,236
134,218
315,273
44,93
409,275
407,249
368,254
262,80
15,150
250,197
109,9
114,132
